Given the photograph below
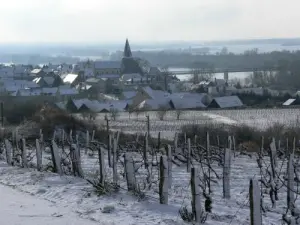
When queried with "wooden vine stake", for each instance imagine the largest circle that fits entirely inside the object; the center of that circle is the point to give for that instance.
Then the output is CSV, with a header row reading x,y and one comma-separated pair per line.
x,y
226,174
176,150
8,151
163,180
71,136
87,142
115,171
39,158
169,155
145,150
234,146
290,183
129,172
101,165
196,196
189,155
255,207
93,135
208,155
56,158
76,162
109,151
24,154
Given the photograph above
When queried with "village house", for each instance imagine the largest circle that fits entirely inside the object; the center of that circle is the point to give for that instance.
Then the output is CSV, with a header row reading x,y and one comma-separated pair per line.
x,y
70,79
92,87
11,86
37,73
6,71
226,102
107,67
292,102
128,95
147,93
21,71
48,81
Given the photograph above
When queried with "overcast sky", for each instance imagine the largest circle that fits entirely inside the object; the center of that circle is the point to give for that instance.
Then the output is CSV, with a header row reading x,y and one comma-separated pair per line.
x,y
146,20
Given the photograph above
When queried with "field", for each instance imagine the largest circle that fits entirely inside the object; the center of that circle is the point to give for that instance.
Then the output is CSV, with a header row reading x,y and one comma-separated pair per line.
x,y
142,207
258,118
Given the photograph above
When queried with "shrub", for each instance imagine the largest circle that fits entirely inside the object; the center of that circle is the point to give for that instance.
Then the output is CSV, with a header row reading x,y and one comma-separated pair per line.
x,y
242,134
16,113
186,215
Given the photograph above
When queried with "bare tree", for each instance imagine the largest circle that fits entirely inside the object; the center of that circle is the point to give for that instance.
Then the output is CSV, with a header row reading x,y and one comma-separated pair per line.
x,y
178,113
130,110
162,111
204,74
114,113
137,112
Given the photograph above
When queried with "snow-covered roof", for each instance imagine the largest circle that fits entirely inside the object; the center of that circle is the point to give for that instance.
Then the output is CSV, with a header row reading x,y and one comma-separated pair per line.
x,y
186,101
49,80
107,64
118,105
129,76
68,91
289,101
109,76
129,94
29,92
97,106
155,94
153,71
37,80
79,102
92,80
204,83
35,71
70,78
51,91
154,104
83,86
228,101
19,83
188,95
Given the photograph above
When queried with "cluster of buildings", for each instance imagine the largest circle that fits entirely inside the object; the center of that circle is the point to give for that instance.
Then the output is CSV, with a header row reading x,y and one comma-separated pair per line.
x,y
99,86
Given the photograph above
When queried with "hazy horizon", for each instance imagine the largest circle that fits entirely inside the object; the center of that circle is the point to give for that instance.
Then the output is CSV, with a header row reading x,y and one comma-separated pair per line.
x,y
98,21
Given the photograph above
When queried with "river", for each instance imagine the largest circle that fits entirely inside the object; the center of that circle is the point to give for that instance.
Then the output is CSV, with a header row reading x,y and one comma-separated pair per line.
x,y
231,76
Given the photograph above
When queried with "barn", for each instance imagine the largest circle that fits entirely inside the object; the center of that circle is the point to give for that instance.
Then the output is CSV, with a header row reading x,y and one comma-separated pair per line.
x,y
226,102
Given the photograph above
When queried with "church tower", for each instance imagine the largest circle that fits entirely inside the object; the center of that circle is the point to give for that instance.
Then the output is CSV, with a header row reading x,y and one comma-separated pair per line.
x,y
127,51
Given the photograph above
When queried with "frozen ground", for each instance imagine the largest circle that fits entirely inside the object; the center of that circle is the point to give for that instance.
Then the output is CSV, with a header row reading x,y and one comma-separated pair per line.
x,y
68,196
19,208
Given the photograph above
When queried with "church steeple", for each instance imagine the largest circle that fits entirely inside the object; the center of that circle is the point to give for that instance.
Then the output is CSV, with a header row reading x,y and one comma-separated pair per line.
x,y
127,50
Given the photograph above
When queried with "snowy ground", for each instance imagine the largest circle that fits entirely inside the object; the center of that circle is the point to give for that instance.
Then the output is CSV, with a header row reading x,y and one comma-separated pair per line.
x,y
67,194
258,118
19,208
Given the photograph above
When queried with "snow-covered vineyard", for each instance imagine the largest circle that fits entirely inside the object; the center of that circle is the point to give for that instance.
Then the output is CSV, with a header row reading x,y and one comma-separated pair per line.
x,y
257,118
147,182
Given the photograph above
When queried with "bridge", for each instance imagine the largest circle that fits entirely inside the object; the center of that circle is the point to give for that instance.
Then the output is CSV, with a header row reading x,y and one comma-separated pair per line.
x,y
218,70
